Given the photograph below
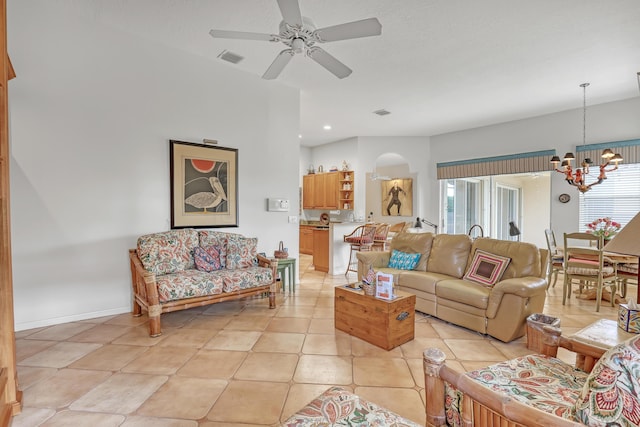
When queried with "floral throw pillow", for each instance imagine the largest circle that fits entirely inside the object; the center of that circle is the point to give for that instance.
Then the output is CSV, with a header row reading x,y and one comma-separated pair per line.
x,y
611,394
241,252
207,259
403,261
486,268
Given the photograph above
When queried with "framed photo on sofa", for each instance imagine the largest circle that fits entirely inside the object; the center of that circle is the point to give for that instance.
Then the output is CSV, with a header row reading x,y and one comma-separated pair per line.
x,y
204,185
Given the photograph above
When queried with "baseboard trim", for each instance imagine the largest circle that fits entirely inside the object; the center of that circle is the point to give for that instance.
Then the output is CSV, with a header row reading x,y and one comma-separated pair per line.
x,y
65,319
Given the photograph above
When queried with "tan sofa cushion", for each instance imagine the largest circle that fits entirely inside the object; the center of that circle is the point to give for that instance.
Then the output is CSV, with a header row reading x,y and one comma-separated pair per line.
x,y
525,257
449,254
421,281
464,292
414,243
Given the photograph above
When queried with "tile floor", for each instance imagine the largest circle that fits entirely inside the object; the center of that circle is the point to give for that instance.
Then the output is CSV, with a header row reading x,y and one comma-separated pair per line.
x,y
240,363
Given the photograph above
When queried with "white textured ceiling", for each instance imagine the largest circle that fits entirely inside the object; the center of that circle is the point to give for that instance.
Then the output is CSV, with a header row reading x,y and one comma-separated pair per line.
x,y
439,65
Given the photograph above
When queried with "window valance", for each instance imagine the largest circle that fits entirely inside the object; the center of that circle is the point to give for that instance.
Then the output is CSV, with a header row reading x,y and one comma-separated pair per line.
x,y
629,150
536,161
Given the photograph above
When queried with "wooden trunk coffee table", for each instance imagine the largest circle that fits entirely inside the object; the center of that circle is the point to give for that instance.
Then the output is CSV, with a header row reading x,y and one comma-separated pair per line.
x,y
386,324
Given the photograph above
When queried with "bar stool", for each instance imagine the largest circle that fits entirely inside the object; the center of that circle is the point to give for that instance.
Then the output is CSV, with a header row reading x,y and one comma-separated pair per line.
x,y
360,239
380,238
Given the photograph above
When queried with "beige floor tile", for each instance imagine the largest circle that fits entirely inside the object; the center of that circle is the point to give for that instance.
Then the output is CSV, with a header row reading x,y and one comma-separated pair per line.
x,y
317,369
228,308
27,332
369,371
426,330
417,370
189,337
212,323
233,340
140,336
27,348
268,367
110,357
322,326
219,364
323,313
60,355
60,332
408,403
30,417
265,400
127,319
160,360
339,345
361,348
289,324
68,384
296,311
279,342
101,333
176,398
248,323
137,421
512,349
27,375
414,349
301,301
72,418
120,394
446,330
474,350
178,319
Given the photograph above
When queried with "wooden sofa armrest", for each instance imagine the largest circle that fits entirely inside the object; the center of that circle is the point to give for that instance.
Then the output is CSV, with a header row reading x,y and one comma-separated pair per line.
x,y
145,293
479,403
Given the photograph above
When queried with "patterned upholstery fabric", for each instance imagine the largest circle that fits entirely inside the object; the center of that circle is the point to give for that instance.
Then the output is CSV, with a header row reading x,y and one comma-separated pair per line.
x,y
486,268
339,407
611,393
168,252
628,268
188,284
244,278
606,270
546,383
241,252
207,259
403,261
218,238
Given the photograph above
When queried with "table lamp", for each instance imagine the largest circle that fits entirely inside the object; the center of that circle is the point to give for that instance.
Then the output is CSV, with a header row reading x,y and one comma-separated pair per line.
x,y
627,242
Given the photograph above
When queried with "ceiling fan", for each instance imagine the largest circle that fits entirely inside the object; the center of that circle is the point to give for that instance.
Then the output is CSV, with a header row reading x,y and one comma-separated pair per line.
x,y
300,35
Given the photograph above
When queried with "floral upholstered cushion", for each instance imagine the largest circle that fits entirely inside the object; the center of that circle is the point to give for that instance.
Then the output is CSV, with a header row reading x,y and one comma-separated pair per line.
x,y
546,383
339,407
611,394
188,284
217,238
241,252
168,252
245,278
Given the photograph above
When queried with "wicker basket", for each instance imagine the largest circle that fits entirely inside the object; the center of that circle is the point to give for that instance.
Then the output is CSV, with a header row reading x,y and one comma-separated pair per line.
x,y
368,289
281,253
535,323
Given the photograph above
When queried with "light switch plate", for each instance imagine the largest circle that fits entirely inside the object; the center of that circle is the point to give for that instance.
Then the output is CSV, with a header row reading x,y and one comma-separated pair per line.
x,y
278,205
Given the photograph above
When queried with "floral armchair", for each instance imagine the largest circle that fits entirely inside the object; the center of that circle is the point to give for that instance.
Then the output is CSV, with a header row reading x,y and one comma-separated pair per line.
x,y
538,390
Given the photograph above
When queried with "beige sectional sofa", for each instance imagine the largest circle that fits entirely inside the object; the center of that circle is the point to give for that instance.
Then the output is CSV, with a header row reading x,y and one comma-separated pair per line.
x,y
442,291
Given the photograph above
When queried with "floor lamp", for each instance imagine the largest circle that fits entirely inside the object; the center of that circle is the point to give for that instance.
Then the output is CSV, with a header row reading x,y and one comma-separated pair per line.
x,y
627,242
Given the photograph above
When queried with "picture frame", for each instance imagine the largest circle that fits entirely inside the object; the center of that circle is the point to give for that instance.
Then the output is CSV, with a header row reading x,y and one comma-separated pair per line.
x,y
397,197
204,185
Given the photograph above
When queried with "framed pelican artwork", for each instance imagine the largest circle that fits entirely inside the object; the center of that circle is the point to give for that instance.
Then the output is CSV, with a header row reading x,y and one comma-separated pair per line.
x,y
204,185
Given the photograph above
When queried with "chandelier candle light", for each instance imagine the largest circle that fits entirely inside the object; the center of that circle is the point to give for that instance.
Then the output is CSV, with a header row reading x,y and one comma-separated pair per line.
x,y
578,177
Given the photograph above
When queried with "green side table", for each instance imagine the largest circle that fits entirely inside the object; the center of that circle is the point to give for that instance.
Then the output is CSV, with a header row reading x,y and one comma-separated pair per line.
x,y
287,265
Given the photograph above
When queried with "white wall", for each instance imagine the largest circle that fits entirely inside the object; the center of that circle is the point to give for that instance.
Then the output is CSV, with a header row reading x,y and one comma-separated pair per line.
x,y
91,113
615,121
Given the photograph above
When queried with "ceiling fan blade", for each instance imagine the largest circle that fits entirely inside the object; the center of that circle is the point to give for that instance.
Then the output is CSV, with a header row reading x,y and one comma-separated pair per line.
x,y
350,30
290,10
223,34
278,64
329,62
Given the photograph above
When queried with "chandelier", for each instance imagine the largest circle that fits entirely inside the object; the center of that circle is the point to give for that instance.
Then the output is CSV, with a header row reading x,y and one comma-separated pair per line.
x,y
578,176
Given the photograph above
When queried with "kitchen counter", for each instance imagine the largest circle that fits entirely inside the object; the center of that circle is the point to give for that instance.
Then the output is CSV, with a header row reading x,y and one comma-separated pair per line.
x,y
333,252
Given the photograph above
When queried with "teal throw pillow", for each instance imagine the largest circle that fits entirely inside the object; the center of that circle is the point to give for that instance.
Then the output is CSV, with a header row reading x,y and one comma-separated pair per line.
x,y
403,260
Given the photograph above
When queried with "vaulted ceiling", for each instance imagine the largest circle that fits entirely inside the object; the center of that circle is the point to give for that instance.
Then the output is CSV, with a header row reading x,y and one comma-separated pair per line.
x,y
439,65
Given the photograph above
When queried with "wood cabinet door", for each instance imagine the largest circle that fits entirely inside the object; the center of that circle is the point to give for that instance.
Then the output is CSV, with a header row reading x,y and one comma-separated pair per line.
x,y
331,190
306,240
308,190
321,250
318,191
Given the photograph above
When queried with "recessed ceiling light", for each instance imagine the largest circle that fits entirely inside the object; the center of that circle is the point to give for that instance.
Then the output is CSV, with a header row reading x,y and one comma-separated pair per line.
x,y
300,135
326,127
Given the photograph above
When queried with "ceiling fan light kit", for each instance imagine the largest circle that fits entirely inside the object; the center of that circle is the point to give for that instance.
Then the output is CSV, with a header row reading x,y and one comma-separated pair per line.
x,y
300,36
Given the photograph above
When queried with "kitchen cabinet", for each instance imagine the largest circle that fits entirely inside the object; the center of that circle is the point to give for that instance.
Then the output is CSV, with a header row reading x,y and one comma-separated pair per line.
x,y
323,191
306,240
321,249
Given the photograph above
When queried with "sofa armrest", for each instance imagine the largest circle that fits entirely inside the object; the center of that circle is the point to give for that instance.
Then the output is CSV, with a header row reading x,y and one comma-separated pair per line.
x,y
375,259
524,287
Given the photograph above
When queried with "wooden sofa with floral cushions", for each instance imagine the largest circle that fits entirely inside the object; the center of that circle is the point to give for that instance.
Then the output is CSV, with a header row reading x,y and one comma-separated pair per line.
x,y
185,268
538,389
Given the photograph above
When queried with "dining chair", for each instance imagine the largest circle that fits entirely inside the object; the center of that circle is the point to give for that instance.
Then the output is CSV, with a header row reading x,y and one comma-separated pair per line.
x,y
556,257
586,263
360,239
